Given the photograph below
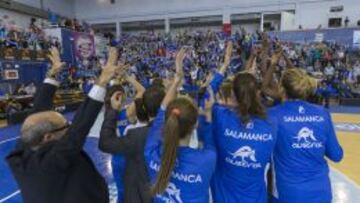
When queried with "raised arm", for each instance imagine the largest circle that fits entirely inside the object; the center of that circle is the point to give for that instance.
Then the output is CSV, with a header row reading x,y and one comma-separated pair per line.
x,y
154,138
227,58
109,141
289,63
131,109
218,77
172,91
205,121
268,76
44,97
264,53
87,113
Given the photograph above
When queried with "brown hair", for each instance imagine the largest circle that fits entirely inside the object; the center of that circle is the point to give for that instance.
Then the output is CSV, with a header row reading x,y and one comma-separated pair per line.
x,y
226,90
246,90
297,84
148,106
180,120
109,93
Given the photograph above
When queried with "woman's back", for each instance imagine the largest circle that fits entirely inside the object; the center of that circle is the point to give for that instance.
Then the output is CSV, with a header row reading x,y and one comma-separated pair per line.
x,y
305,136
190,179
244,153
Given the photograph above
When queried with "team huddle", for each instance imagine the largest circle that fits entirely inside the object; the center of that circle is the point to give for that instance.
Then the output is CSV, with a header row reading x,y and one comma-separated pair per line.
x,y
244,137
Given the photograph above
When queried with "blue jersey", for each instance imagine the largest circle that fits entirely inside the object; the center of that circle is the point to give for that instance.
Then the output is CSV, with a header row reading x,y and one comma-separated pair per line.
x,y
305,136
118,161
190,180
244,154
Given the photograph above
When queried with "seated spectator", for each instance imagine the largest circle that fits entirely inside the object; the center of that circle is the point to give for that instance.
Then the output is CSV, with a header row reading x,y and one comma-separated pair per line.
x,y
30,89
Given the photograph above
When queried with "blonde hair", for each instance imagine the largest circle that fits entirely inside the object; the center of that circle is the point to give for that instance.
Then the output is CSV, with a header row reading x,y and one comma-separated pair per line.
x,y
297,84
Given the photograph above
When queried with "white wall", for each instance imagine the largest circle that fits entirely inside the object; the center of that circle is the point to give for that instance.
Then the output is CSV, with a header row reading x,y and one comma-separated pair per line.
x,y
309,13
62,7
20,20
97,11
287,21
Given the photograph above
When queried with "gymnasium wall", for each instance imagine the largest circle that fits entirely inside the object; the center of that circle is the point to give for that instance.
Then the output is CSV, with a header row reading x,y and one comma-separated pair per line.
x,y
21,20
62,7
308,13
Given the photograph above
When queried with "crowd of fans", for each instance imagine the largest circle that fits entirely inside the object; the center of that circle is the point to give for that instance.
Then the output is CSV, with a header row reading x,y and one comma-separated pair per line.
x,y
336,66
33,36
152,56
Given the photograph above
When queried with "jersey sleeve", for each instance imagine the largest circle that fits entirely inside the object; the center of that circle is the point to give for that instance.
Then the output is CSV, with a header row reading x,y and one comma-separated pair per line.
x,y
205,132
154,137
216,82
333,150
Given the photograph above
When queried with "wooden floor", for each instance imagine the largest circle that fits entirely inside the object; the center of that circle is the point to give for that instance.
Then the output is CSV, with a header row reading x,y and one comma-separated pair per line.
x,y
3,123
350,141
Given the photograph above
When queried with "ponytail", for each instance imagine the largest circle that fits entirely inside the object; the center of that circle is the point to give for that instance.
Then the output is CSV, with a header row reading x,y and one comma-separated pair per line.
x,y
181,117
168,159
246,90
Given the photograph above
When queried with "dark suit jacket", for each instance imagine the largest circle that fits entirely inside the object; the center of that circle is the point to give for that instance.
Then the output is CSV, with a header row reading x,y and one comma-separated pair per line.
x,y
60,171
136,180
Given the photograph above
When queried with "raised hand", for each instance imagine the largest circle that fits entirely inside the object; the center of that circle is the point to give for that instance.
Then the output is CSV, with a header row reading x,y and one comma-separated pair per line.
x,y
227,57
110,69
55,59
116,100
179,63
228,53
113,57
276,56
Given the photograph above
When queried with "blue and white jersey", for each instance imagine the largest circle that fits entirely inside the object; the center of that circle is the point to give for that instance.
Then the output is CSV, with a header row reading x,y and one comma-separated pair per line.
x,y
244,153
190,180
123,122
305,136
118,160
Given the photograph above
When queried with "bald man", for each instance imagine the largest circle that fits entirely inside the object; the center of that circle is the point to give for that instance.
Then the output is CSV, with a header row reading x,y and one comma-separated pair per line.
x,y
49,163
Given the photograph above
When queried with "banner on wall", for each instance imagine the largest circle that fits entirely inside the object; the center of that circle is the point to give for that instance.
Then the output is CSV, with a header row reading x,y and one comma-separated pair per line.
x,y
84,48
356,38
100,46
11,74
319,37
55,37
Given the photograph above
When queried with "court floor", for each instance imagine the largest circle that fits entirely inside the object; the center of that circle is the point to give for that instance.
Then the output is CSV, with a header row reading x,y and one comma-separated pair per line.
x,y
345,176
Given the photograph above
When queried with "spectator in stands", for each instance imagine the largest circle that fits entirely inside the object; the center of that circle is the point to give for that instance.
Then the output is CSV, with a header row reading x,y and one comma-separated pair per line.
x,y
13,106
346,22
20,90
30,89
329,71
356,72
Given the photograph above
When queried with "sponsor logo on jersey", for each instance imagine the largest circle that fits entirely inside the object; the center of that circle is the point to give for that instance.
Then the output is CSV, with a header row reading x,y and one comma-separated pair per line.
x,y
306,139
171,194
244,157
301,110
250,125
247,135
189,178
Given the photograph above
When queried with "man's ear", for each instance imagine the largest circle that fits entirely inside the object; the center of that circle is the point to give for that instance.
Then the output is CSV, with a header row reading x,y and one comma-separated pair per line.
x,y
47,137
